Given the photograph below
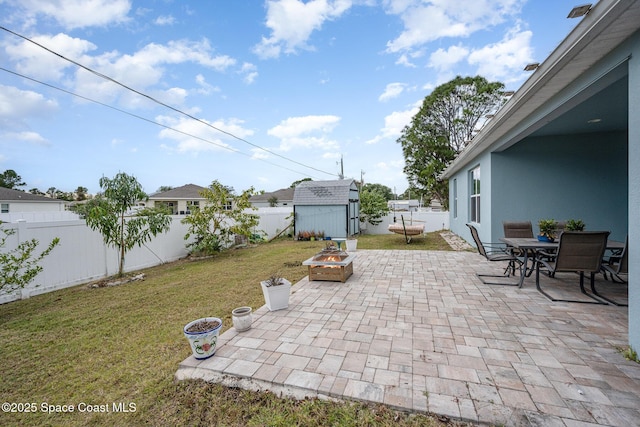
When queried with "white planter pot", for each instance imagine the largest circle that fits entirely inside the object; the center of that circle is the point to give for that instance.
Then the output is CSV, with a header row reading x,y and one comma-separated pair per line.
x,y
352,244
276,297
241,317
203,343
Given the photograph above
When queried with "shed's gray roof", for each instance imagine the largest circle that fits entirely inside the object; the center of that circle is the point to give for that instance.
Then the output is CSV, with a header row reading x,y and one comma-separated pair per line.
x,y
323,192
10,195
189,192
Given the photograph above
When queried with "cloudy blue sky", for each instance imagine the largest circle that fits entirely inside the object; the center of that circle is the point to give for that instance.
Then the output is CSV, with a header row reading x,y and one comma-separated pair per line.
x,y
249,93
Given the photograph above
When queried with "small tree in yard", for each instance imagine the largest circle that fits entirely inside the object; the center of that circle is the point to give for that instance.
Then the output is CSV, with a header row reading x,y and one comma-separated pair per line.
x,y
373,206
19,266
220,217
111,215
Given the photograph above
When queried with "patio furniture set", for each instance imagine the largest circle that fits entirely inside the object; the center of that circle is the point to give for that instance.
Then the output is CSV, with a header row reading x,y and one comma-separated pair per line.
x,y
582,252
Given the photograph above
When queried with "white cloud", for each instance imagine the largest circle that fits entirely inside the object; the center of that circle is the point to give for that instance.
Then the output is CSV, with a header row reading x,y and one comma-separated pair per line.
x,y
141,70
307,132
504,60
292,21
17,105
444,60
36,62
392,90
25,136
425,21
249,71
395,122
194,137
165,20
73,14
205,87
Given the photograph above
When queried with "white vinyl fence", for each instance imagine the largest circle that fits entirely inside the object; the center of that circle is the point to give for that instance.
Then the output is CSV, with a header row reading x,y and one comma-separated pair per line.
x,y
432,220
82,256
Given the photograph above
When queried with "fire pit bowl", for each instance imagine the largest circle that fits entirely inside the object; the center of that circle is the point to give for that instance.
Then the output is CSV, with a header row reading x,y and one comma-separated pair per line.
x,y
330,265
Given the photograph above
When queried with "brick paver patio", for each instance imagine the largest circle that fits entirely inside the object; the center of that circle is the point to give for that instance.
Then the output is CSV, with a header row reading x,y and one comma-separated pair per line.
x,y
418,331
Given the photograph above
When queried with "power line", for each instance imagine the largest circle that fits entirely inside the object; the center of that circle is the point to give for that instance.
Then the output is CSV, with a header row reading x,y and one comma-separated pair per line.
x,y
152,99
233,150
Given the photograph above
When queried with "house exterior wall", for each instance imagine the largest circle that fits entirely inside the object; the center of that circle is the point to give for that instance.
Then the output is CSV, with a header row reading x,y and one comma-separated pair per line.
x,y
15,206
634,197
459,200
563,177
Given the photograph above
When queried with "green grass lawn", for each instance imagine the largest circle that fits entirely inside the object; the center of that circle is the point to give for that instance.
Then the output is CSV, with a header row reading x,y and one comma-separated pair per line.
x,y
99,347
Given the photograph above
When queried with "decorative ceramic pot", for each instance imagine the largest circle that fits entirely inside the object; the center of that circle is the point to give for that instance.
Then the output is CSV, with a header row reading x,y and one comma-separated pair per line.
x,y
241,317
202,335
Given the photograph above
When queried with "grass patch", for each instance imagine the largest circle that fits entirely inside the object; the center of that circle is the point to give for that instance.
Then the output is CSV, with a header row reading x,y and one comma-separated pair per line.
x,y
122,345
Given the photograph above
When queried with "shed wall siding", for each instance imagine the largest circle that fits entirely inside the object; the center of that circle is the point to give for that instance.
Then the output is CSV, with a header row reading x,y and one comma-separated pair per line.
x,y
332,219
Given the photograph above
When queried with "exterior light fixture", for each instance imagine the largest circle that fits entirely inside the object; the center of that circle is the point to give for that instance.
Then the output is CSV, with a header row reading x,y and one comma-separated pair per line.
x,y
532,66
579,11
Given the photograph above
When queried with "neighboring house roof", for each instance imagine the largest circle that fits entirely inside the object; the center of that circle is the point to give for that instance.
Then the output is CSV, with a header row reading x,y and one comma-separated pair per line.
x,y
10,195
188,192
283,194
323,192
607,25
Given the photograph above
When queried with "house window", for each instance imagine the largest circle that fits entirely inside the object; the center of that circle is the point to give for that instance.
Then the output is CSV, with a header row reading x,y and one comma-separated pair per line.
x,y
4,208
228,206
455,198
475,195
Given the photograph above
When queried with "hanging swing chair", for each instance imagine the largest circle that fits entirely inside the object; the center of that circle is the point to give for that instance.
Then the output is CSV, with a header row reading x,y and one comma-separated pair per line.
x,y
407,230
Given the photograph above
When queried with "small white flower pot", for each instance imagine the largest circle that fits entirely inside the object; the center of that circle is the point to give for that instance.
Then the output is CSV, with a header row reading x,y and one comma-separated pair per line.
x,y
276,297
241,317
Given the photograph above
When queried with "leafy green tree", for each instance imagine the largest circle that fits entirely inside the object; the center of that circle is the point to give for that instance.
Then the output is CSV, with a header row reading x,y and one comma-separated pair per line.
x,y
373,206
385,191
273,201
19,266
81,193
36,192
443,127
112,215
222,215
164,188
10,179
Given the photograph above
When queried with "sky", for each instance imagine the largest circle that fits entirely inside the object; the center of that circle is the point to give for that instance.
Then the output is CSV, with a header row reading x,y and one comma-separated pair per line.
x,y
249,93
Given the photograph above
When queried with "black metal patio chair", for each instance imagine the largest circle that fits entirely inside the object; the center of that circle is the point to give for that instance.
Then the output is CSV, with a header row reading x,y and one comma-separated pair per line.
x,y
615,265
578,251
496,252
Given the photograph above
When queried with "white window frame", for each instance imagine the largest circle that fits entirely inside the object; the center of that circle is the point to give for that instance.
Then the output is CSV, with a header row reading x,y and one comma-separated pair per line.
x,y
474,195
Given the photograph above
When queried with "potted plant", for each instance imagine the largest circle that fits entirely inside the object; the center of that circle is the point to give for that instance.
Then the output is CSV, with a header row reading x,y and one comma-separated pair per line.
x,y
202,335
276,292
547,230
575,225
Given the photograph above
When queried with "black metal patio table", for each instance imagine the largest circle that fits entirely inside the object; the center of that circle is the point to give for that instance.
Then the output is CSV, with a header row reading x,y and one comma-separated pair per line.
x,y
528,244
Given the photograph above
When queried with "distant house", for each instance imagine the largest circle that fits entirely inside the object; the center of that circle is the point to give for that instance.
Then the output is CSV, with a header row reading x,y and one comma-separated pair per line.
x,y
16,204
180,200
404,205
283,197
330,207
